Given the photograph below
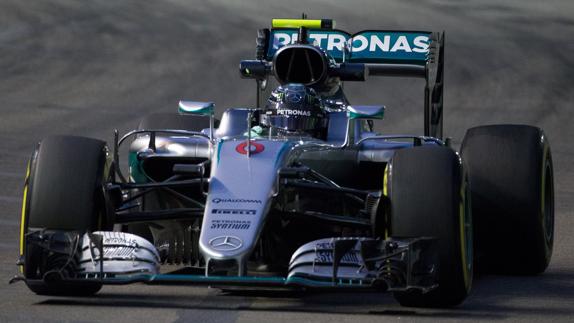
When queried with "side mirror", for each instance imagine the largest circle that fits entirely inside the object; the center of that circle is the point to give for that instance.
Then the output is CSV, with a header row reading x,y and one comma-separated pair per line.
x,y
196,108
366,112
206,109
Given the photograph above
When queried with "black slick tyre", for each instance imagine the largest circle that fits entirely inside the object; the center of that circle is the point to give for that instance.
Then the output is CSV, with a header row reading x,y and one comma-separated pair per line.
x,y
512,187
427,190
63,192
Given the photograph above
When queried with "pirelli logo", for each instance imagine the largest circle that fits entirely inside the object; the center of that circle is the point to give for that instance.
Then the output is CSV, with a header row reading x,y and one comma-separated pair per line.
x,y
233,211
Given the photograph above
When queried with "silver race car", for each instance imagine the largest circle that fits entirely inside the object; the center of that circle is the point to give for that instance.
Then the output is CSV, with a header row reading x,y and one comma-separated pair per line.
x,y
298,191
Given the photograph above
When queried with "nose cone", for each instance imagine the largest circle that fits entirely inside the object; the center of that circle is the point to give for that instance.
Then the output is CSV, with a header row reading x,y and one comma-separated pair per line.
x,y
240,191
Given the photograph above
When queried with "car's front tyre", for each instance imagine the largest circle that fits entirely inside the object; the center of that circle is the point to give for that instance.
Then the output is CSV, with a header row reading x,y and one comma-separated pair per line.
x,y
63,192
427,188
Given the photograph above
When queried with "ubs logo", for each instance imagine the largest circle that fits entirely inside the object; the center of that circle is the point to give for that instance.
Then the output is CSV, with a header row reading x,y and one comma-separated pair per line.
x,y
255,148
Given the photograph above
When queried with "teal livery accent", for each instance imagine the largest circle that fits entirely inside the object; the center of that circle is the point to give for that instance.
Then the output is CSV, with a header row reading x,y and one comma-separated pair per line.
x,y
366,112
219,145
196,108
136,171
240,281
284,148
370,46
257,132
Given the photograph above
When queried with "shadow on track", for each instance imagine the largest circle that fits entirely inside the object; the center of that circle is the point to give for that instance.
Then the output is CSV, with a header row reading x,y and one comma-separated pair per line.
x,y
334,309
494,298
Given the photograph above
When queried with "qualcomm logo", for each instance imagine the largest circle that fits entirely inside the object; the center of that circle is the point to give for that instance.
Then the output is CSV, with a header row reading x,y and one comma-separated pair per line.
x,y
225,243
218,200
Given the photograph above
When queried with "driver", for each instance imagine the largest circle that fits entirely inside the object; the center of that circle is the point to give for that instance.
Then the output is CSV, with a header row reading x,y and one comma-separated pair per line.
x,y
293,109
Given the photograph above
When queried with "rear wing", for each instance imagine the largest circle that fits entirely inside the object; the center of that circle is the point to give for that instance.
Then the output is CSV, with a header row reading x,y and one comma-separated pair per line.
x,y
382,52
369,46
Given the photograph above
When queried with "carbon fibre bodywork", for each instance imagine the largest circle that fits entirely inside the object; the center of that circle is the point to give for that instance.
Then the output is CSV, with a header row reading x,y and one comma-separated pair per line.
x,y
279,179
274,209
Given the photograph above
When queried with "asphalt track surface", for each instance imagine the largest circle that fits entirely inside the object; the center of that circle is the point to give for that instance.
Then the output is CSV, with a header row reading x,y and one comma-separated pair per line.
x,y
87,67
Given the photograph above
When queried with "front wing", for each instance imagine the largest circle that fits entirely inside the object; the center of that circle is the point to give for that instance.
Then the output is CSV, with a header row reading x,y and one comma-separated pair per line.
x,y
332,263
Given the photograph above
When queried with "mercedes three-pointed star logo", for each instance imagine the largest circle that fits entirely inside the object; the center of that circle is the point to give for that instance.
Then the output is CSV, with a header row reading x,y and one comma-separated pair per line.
x,y
225,243
294,97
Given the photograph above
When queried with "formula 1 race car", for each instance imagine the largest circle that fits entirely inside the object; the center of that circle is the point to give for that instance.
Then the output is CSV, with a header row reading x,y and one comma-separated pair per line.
x,y
297,193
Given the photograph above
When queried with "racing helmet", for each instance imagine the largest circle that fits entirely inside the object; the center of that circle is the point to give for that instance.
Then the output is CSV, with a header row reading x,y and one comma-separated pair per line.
x,y
294,108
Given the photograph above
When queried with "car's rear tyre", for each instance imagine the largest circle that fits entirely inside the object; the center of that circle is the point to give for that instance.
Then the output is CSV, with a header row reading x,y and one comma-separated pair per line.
x,y
427,188
63,192
512,187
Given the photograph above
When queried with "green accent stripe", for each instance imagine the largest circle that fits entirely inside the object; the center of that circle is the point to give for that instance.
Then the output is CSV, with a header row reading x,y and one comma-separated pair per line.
x,y
201,111
136,171
239,280
197,108
283,148
219,145
357,115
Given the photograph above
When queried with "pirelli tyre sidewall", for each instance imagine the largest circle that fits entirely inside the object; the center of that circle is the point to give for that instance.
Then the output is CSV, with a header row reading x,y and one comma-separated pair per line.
x,y
512,186
63,191
428,191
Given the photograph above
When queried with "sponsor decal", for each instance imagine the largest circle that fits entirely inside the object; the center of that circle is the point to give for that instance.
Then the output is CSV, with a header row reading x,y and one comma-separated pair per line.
x,y
225,243
325,245
119,240
231,211
255,147
363,46
324,253
218,200
230,224
327,256
119,252
294,112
